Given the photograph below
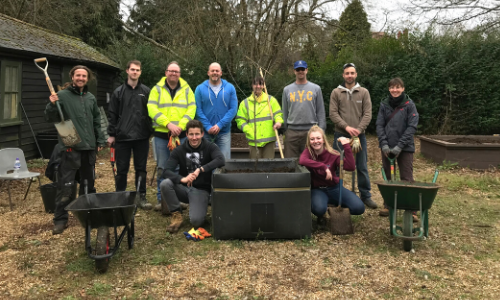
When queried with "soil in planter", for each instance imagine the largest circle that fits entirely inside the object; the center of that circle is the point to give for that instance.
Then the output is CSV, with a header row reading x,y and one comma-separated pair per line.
x,y
474,141
275,170
238,140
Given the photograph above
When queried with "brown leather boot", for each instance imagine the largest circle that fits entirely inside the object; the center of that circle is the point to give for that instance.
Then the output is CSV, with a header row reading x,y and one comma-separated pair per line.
x,y
175,222
384,212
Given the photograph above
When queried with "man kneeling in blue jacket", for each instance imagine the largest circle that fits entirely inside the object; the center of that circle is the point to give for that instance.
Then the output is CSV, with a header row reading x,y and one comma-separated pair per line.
x,y
216,107
196,158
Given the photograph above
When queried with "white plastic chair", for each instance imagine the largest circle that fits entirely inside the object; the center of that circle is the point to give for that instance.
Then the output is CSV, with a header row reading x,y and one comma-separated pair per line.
x,y
7,160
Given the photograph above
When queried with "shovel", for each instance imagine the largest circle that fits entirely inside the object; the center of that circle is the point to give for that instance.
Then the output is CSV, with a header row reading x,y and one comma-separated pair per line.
x,y
66,129
340,218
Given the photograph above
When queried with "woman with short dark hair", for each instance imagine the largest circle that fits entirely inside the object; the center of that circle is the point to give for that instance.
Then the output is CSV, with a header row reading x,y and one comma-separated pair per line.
x,y
396,125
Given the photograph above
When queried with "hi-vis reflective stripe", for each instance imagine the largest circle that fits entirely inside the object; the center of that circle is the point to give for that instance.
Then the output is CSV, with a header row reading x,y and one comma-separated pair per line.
x,y
260,119
173,122
246,105
187,117
157,116
243,125
264,190
175,105
271,139
158,88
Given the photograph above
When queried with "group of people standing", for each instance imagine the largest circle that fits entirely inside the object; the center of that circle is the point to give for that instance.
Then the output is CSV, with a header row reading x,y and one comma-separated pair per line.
x,y
192,135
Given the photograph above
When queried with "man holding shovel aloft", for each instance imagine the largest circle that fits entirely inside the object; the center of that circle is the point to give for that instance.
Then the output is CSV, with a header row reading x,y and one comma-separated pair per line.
x,y
80,106
351,112
129,130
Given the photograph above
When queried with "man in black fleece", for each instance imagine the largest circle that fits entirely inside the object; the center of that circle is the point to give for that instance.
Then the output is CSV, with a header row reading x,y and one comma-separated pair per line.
x,y
196,158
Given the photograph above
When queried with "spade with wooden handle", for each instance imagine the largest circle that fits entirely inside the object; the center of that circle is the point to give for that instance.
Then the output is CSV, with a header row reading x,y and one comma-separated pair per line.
x,y
66,129
272,116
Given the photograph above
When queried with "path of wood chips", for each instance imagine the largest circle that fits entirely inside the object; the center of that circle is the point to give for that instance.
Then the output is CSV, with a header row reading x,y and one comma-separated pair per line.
x,y
460,260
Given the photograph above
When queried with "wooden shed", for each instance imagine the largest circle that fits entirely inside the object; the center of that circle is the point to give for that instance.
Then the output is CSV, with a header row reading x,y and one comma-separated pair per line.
x,y
22,83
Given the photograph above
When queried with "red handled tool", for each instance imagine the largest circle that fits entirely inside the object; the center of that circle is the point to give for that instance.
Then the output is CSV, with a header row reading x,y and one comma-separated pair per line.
x,y
112,161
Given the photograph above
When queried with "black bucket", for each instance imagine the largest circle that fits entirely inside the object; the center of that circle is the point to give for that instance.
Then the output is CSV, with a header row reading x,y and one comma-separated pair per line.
x,y
49,192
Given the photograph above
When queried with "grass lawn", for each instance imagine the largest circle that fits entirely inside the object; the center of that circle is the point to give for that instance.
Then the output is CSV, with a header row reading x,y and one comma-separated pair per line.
x,y
459,260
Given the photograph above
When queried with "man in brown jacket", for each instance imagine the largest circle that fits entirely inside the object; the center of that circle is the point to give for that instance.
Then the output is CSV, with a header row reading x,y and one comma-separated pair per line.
x,y
351,112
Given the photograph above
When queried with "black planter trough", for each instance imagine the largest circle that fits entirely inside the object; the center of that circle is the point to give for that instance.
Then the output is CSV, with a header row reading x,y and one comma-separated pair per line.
x,y
263,204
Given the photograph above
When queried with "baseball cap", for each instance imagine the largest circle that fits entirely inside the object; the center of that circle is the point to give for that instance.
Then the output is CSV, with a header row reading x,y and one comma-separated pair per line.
x,y
300,64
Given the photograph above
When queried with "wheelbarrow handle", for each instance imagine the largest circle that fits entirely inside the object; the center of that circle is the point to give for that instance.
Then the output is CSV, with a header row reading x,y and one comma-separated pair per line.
x,y
436,173
383,174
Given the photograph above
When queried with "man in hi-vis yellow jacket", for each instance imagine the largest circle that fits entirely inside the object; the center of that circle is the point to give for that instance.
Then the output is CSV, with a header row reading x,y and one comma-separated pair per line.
x,y
171,105
254,117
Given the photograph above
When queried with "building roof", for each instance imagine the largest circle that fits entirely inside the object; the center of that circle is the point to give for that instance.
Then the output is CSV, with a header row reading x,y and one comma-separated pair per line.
x,y
19,35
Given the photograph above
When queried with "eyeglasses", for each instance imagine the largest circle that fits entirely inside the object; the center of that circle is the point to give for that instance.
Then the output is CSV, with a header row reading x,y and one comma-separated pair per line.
x,y
174,72
349,65
300,69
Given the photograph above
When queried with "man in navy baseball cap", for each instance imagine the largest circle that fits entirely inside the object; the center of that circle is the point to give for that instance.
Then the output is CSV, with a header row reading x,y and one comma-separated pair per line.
x,y
303,107
300,64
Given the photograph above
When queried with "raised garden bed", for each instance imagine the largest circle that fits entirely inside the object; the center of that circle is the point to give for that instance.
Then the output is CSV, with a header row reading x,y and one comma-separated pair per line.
x,y
473,151
262,204
239,147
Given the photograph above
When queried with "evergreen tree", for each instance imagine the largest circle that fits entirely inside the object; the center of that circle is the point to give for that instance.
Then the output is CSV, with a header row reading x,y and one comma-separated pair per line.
x,y
354,28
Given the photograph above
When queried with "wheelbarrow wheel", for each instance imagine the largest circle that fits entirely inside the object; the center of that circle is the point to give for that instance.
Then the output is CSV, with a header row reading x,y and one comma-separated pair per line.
x,y
407,229
130,235
102,247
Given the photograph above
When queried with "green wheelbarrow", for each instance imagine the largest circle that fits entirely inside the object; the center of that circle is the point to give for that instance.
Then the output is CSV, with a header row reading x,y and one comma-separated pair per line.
x,y
410,197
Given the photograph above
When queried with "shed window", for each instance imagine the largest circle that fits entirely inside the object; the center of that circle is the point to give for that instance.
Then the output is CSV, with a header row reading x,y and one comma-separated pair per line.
x,y
10,92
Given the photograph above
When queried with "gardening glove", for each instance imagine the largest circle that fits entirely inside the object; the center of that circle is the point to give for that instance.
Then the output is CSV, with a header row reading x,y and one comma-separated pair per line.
x,y
196,234
204,233
189,237
355,145
386,150
396,151
173,142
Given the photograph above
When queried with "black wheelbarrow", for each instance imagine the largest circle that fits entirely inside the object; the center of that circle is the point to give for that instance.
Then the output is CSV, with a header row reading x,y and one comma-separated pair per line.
x,y
410,197
101,211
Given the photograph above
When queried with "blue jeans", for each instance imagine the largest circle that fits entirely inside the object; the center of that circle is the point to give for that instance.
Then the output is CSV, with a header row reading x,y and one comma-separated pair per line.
x,y
361,165
223,141
162,154
321,197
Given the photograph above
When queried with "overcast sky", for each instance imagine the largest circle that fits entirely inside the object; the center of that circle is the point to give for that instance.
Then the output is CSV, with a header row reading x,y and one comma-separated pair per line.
x,y
381,14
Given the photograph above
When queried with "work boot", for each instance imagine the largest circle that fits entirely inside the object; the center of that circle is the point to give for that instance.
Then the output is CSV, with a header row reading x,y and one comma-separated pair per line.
x,y
158,207
415,217
59,228
369,203
384,212
175,222
143,203
184,205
